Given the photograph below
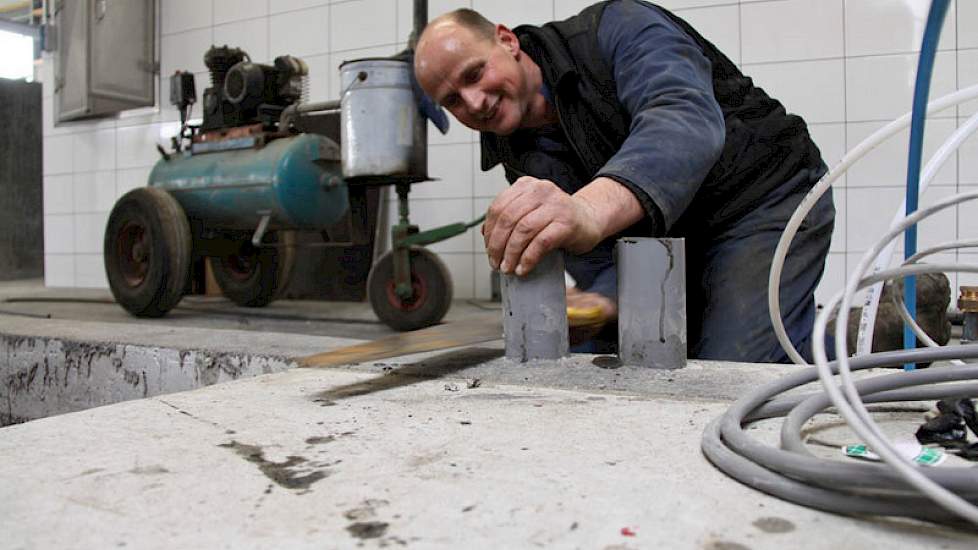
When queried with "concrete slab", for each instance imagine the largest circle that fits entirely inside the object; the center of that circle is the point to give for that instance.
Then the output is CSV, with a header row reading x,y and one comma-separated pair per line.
x,y
410,453
64,350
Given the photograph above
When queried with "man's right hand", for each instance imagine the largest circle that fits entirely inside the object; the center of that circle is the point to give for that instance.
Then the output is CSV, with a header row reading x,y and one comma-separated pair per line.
x,y
534,217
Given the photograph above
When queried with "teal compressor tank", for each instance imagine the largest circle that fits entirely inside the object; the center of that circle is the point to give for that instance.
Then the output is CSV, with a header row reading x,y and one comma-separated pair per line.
x,y
296,181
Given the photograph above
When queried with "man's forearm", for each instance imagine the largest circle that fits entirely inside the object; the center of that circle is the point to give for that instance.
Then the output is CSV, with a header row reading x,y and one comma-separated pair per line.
x,y
613,206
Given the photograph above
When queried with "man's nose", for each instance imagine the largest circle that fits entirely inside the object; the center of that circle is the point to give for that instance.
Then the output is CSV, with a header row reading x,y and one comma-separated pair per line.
x,y
474,99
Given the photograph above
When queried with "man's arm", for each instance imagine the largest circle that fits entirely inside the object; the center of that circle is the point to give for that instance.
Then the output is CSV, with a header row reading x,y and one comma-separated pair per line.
x,y
665,83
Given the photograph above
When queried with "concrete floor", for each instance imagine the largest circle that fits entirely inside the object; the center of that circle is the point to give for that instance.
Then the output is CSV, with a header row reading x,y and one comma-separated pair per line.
x,y
450,449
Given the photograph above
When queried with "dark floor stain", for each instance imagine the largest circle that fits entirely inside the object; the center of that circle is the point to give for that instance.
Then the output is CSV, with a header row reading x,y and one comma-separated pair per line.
x,y
281,473
91,471
149,470
367,529
319,440
774,525
427,369
725,545
607,362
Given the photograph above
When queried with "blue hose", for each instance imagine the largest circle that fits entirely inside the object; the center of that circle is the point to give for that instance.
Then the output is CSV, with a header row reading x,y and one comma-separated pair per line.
x,y
925,68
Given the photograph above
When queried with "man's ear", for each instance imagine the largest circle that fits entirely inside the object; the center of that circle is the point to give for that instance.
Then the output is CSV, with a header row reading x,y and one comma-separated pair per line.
x,y
508,40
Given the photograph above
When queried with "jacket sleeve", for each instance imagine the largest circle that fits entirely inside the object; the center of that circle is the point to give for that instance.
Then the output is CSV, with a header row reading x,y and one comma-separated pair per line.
x,y
665,83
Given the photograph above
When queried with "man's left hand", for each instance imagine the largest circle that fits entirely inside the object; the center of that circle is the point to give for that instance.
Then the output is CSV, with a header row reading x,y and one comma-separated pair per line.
x,y
533,217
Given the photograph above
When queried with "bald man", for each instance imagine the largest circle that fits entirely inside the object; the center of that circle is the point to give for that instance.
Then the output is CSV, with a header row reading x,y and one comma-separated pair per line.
x,y
623,120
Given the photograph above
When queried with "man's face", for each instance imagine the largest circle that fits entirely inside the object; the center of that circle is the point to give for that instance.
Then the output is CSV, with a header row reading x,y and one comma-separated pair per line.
x,y
479,81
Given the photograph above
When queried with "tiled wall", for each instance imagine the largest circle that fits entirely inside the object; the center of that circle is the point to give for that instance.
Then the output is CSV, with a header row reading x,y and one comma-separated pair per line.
x,y
847,66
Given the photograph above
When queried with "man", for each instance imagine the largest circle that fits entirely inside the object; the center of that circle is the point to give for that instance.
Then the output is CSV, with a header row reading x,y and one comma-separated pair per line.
x,y
624,120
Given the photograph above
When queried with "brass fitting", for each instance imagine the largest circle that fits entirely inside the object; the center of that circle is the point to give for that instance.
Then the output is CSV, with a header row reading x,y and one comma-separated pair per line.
x,y
968,301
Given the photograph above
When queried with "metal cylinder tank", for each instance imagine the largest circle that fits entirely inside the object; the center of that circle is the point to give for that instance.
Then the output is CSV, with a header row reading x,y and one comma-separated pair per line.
x,y
296,180
381,131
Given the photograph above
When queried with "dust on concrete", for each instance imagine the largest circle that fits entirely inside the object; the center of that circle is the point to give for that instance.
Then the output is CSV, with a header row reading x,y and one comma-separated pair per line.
x,y
366,510
774,525
319,440
284,473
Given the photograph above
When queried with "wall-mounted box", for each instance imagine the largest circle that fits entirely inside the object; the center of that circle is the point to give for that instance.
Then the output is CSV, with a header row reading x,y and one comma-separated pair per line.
x,y
105,61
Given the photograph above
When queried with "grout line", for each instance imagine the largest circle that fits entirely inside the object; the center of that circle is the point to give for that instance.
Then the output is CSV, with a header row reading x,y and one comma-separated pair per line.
x,y
845,134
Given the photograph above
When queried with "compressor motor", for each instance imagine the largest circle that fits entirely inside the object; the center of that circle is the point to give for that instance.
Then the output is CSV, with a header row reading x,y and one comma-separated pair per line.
x,y
242,93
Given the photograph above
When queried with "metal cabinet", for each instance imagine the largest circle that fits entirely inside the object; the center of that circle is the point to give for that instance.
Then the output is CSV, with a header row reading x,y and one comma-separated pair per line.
x,y
105,60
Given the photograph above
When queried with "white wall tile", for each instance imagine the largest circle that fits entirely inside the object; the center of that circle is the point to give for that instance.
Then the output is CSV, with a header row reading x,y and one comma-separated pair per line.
x,y
320,73
833,279
90,271
94,191
300,33
714,24
967,77
127,180
968,160
885,27
137,145
90,232
59,270
83,187
279,6
887,164
363,24
59,234
791,84
831,141
250,35
183,15
486,184
967,220
226,11
58,194
513,13
483,276
841,220
94,150
965,279
463,278
479,207
967,29
675,5
452,166
457,133
870,212
791,30
58,154
184,52
566,8
881,87
405,13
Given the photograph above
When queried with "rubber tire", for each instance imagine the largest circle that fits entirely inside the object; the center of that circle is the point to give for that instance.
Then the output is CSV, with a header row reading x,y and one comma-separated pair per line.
x,y
427,273
168,255
271,269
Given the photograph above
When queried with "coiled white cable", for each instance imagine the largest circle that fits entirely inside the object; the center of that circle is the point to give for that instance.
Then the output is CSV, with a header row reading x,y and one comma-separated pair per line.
x,y
847,401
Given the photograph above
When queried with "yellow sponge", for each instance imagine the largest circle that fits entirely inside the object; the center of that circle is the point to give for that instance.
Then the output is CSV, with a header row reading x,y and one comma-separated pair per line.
x,y
584,316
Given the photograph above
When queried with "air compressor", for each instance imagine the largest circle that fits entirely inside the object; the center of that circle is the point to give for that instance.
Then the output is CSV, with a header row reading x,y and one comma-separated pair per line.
x,y
262,165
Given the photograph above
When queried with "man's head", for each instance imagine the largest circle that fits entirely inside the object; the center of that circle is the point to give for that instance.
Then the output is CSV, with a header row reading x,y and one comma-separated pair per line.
x,y
476,70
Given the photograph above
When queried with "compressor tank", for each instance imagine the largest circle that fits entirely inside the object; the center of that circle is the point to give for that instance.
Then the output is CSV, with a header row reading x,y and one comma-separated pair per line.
x,y
296,180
